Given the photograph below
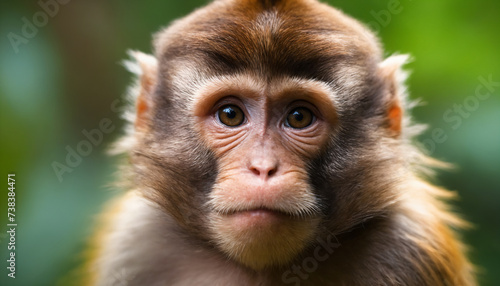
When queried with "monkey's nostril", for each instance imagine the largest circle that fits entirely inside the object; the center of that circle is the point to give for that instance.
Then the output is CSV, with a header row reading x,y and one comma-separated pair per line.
x,y
255,171
264,172
271,172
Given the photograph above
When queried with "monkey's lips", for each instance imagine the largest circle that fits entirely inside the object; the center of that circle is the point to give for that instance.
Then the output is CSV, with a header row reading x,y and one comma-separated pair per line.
x,y
260,217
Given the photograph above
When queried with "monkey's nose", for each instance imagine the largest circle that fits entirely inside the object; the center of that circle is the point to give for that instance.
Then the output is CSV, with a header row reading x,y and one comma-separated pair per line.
x,y
265,168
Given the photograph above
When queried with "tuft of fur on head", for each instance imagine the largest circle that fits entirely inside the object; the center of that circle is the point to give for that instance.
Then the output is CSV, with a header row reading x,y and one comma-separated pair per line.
x,y
143,67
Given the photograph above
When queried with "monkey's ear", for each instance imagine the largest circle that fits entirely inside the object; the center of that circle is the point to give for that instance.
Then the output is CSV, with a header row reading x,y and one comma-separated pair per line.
x,y
390,70
146,68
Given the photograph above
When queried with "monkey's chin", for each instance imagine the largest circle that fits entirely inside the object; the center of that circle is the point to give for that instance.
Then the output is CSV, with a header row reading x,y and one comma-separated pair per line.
x,y
262,238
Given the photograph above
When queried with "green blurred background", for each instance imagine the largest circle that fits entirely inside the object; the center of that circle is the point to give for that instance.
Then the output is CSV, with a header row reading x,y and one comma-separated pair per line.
x,y
65,78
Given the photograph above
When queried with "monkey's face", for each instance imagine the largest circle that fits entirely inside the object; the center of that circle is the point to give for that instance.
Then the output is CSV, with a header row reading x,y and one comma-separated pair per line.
x,y
263,134
263,129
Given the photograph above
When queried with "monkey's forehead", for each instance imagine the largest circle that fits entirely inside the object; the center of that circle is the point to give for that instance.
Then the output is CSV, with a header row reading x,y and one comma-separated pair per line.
x,y
297,37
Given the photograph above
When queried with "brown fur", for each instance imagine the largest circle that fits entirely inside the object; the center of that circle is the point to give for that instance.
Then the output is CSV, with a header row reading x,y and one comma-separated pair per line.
x,y
357,182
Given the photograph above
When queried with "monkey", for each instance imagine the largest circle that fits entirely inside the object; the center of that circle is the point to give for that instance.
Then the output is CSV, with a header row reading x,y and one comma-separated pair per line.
x,y
271,143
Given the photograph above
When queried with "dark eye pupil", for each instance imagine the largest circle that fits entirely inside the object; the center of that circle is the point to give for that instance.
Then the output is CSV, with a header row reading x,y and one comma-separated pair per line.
x,y
230,112
298,115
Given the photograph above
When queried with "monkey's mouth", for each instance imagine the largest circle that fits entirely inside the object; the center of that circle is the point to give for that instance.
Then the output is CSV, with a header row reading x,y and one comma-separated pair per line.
x,y
257,217
265,212
259,212
261,202
284,212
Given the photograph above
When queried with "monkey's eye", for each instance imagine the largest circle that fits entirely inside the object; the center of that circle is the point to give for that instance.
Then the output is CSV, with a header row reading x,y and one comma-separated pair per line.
x,y
299,118
230,115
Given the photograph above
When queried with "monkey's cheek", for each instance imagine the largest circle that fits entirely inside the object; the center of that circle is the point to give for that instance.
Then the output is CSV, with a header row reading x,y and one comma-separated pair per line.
x,y
262,239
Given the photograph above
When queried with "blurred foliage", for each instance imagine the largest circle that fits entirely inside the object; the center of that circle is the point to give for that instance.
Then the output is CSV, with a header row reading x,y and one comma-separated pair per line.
x,y
65,78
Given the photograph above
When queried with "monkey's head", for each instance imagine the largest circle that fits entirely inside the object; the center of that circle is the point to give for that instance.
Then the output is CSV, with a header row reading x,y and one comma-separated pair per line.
x,y
262,125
